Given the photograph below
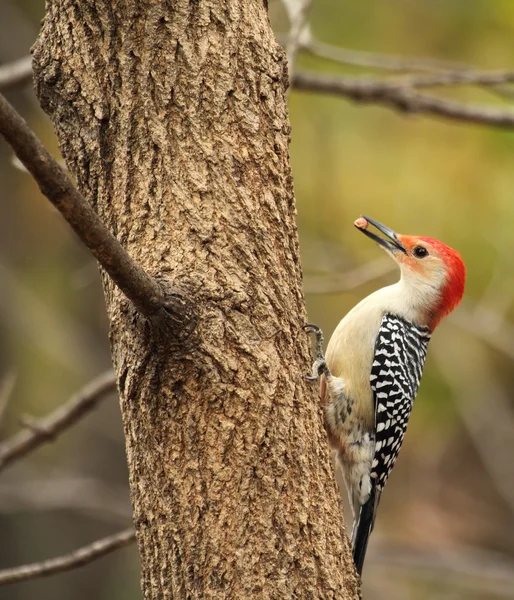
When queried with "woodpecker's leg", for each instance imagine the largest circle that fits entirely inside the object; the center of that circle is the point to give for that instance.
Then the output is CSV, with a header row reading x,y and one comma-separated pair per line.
x,y
319,367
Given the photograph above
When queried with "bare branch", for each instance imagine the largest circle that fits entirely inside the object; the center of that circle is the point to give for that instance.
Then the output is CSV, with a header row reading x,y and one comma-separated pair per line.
x,y
371,60
440,73
444,73
479,78
297,11
17,164
403,99
15,73
48,428
67,562
144,292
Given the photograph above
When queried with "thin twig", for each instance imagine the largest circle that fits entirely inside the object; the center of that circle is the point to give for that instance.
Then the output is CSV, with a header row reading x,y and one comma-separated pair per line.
x,y
444,73
297,11
144,292
47,428
479,78
372,60
73,560
400,64
403,99
17,164
15,73
440,74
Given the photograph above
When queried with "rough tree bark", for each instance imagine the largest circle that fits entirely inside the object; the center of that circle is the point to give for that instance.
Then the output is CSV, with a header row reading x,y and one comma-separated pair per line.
x,y
172,117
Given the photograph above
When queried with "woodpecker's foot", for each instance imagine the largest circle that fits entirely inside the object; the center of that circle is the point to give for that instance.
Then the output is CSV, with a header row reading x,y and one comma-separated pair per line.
x,y
319,367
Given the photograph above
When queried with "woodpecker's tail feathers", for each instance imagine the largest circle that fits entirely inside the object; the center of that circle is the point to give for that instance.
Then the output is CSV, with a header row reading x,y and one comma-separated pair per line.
x,y
363,529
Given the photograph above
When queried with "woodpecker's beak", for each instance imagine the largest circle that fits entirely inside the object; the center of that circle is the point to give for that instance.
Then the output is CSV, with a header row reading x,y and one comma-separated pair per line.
x,y
392,244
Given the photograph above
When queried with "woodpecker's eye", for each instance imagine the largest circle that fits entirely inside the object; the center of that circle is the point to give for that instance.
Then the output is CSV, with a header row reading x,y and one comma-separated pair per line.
x,y
420,252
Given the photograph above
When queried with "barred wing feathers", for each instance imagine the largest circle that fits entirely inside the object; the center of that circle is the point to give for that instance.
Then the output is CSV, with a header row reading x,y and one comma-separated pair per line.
x,y
400,351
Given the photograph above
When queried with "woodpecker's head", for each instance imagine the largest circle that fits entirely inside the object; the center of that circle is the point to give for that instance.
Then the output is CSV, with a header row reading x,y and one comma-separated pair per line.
x,y
433,271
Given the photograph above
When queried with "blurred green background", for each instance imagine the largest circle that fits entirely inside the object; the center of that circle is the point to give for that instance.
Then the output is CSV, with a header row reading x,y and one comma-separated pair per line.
x,y
445,528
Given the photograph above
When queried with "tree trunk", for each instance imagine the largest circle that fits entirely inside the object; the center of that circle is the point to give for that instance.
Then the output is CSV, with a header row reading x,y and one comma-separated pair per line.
x,y
172,116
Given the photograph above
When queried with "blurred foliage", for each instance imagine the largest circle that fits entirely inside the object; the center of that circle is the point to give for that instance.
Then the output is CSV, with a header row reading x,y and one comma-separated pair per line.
x,y
453,487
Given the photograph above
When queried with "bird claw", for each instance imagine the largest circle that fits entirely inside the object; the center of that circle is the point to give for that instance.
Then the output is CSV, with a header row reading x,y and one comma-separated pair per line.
x,y
312,328
319,366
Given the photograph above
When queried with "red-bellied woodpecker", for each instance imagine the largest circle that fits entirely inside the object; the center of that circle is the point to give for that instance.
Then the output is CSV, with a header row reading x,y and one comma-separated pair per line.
x,y
373,366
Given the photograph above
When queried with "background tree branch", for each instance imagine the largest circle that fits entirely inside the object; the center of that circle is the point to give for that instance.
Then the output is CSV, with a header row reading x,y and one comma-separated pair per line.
x,y
48,428
404,99
298,13
73,560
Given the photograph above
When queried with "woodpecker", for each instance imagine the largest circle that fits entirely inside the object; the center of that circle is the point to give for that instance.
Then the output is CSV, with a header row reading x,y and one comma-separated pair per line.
x,y
373,365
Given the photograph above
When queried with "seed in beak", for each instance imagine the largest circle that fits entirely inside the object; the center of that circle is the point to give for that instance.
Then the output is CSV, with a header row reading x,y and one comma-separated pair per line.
x,y
361,223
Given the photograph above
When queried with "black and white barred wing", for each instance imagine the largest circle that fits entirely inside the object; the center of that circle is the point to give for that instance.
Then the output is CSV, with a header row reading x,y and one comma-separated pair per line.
x,y
400,352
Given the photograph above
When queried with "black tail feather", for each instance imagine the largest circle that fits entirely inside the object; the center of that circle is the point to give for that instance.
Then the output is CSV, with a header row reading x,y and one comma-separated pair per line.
x,y
364,529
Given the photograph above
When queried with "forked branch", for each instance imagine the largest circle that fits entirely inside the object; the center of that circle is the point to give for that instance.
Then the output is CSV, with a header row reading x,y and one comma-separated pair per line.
x,y
46,429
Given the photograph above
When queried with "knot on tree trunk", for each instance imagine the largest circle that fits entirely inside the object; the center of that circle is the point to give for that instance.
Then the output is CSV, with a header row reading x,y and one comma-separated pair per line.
x,y
174,324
